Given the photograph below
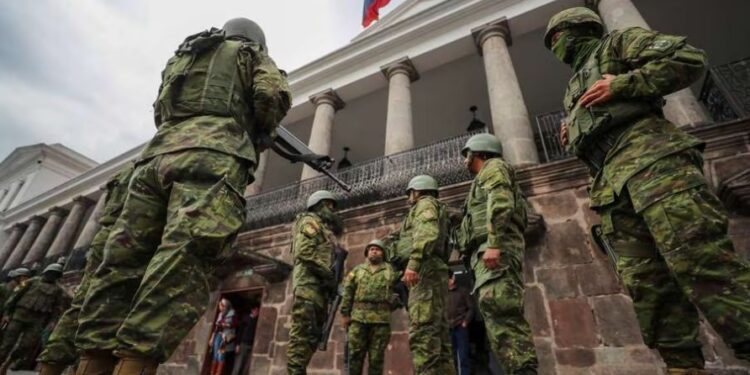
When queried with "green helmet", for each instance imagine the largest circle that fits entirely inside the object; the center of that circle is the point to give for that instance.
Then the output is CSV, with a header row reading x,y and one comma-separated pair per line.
x,y
54,267
22,271
422,182
319,196
12,274
377,243
245,28
572,17
483,142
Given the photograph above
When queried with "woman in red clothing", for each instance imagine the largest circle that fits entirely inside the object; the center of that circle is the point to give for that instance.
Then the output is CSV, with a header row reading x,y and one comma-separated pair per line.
x,y
222,338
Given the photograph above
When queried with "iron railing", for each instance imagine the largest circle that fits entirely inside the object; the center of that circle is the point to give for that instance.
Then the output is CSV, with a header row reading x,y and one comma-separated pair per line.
x,y
548,137
375,180
726,91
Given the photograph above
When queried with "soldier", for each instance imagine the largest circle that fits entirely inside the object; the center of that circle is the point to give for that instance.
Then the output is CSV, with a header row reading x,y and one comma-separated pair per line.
x,y
220,95
666,226
59,350
313,244
368,299
422,245
491,234
27,312
16,279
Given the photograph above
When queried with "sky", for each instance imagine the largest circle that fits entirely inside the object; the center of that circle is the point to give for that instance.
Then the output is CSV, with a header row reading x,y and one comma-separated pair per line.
x,y
85,73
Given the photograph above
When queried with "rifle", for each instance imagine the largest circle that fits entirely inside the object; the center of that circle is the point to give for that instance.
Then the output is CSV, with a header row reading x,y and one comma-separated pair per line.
x,y
603,244
291,148
338,275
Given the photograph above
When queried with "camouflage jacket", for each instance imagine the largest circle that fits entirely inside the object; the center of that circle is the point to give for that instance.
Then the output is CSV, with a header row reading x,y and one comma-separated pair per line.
x,y
368,295
117,190
494,217
422,241
647,66
266,93
36,300
313,246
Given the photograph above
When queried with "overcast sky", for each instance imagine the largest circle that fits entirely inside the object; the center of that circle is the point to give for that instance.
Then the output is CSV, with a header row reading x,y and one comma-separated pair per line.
x,y
85,73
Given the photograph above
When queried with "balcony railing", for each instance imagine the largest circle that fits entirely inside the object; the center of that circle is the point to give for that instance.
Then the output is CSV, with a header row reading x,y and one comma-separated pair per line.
x,y
726,91
375,180
548,137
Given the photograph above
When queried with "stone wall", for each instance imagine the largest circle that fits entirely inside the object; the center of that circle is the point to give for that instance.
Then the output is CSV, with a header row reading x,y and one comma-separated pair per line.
x,y
583,323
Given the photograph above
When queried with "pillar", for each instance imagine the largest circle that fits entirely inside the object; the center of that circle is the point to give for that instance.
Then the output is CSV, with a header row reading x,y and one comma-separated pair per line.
x,y
682,107
23,245
46,236
61,245
399,127
260,174
92,224
510,118
11,195
326,104
15,235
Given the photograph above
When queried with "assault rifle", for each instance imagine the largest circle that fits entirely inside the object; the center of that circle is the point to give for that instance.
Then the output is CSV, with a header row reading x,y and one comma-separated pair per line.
x,y
291,148
603,243
338,275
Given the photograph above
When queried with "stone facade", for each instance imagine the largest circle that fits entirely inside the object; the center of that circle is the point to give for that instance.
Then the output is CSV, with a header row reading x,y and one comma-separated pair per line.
x,y
583,322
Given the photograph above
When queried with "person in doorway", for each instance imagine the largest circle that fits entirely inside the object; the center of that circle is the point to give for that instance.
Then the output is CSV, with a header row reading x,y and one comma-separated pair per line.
x,y
223,338
460,314
245,347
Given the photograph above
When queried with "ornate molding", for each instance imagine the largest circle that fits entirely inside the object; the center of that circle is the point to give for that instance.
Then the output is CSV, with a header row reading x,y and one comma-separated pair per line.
x,y
495,28
402,65
328,96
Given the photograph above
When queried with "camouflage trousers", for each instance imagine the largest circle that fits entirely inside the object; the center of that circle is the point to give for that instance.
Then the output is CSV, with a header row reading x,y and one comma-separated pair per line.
x,y
60,347
369,339
429,332
20,338
501,305
308,318
675,256
179,219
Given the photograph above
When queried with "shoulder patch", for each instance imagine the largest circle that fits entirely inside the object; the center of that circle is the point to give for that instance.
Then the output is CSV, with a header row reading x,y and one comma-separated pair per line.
x,y
310,228
428,214
660,44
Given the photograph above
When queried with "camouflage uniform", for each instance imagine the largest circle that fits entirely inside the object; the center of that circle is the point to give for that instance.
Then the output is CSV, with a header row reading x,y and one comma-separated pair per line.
x,y
185,200
421,243
657,210
30,309
60,348
368,299
495,217
313,246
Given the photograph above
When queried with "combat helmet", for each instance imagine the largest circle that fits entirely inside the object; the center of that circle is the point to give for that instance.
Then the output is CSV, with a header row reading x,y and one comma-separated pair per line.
x,y
422,182
483,142
21,271
245,28
571,17
319,196
54,267
377,243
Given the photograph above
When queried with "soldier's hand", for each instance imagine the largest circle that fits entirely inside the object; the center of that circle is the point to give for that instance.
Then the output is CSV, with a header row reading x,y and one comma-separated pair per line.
x,y
410,278
599,92
491,258
563,133
345,321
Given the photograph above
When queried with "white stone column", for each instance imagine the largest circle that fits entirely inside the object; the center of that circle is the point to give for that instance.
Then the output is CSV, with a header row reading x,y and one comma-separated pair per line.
x,y
12,241
46,236
510,118
260,174
326,104
92,224
64,239
399,127
19,252
682,107
12,192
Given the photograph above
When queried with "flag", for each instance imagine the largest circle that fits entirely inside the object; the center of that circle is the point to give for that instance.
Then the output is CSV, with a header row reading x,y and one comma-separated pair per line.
x,y
370,11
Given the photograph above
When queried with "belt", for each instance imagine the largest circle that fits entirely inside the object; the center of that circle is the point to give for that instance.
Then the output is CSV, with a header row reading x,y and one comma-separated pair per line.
x,y
369,305
595,152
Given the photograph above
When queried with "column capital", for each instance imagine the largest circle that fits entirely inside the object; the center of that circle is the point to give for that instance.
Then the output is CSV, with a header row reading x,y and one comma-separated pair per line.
x,y
36,218
57,211
19,226
327,96
402,65
495,28
84,200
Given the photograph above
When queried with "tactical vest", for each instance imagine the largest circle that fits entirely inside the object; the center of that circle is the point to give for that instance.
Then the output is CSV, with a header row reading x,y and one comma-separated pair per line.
x,y
202,78
41,297
374,287
593,131
324,252
405,244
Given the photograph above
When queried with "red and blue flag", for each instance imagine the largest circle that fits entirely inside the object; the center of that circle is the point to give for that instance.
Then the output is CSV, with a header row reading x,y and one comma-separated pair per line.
x,y
370,11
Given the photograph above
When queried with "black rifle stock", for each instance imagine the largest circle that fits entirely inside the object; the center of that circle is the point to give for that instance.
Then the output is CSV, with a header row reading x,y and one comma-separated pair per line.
x,y
291,148
603,243
338,275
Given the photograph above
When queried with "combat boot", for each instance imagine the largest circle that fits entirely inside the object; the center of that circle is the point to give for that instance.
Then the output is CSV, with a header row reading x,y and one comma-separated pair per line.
x,y
134,364
96,362
51,368
687,371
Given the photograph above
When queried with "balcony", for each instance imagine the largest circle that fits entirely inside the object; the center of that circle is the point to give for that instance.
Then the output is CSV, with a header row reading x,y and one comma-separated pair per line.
x,y
726,91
